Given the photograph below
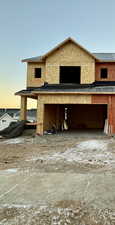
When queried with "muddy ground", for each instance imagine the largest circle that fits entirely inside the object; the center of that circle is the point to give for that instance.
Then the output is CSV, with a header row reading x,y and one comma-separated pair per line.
x,y
58,179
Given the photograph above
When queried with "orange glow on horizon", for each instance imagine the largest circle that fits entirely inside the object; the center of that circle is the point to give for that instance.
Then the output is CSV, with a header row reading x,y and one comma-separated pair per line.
x,y
12,101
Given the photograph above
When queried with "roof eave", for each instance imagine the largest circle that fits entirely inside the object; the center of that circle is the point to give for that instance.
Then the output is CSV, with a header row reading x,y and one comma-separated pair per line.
x,y
106,61
70,92
32,61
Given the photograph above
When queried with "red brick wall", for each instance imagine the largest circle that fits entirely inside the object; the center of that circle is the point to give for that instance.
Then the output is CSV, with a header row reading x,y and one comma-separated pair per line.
x,y
99,99
111,71
112,111
110,100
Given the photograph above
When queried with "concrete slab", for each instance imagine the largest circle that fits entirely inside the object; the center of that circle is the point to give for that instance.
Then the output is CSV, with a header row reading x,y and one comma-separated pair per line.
x,y
36,188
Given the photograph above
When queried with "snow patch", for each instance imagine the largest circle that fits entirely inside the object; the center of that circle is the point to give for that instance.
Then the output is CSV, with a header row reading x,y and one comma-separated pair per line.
x,y
9,171
92,144
91,152
19,140
10,206
13,170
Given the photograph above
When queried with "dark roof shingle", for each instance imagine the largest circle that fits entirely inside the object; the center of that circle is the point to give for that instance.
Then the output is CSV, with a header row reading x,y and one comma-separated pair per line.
x,y
93,87
33,59
105,56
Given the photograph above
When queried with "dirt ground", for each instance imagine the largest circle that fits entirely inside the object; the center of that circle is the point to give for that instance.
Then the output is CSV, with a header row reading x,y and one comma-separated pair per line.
x,y
59,179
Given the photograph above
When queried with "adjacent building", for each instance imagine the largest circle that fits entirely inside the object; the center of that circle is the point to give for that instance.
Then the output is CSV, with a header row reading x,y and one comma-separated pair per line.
x,y
5,120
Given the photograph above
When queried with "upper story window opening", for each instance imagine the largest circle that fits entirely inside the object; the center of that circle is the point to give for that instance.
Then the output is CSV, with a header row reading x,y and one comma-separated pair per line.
x,y
37,72
70,74
104,73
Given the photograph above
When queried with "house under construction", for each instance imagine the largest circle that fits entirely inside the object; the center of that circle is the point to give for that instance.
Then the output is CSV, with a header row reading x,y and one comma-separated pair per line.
x,y
70,83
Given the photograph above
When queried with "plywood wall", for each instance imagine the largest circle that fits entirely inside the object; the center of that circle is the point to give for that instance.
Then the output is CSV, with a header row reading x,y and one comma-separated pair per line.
x,y
49,116
70,55
31,80
65,99
67,55
53,116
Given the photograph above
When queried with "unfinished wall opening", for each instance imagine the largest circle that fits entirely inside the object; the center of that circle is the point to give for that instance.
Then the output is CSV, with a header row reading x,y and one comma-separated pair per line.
x,y
77,116
31,110
86,116
104,73
37,73
70,74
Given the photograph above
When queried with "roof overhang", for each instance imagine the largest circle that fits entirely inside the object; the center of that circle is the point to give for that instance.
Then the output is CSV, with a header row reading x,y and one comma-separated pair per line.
x,y
71,93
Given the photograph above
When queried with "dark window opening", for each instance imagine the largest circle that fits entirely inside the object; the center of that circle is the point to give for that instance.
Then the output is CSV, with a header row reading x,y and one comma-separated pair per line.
x,y
70,74
104,73
3,121
37,72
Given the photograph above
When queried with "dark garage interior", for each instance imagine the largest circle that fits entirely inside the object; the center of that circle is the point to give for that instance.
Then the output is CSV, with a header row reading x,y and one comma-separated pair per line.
x,y
78,116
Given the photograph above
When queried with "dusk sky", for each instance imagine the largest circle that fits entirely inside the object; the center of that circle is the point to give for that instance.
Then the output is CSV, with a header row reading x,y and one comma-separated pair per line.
x,y
32,27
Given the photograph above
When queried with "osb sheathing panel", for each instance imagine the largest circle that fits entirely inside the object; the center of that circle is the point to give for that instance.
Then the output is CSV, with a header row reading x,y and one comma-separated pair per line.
x,y
31,80
53,116
49,116
40,117
23,109
65,99
70,55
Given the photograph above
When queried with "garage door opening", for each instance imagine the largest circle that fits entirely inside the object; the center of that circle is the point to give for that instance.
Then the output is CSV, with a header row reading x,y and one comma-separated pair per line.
x,y
70,74
83,116
77,116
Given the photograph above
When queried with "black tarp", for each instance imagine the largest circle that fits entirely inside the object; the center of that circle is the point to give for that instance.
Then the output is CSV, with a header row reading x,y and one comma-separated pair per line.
x,y
15,129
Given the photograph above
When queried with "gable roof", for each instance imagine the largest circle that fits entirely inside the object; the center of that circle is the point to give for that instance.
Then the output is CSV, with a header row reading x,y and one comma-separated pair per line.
x,y
5,115
42,58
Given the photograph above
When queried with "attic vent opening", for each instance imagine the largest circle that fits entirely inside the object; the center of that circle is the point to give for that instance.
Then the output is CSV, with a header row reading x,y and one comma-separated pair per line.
x,y
70,74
